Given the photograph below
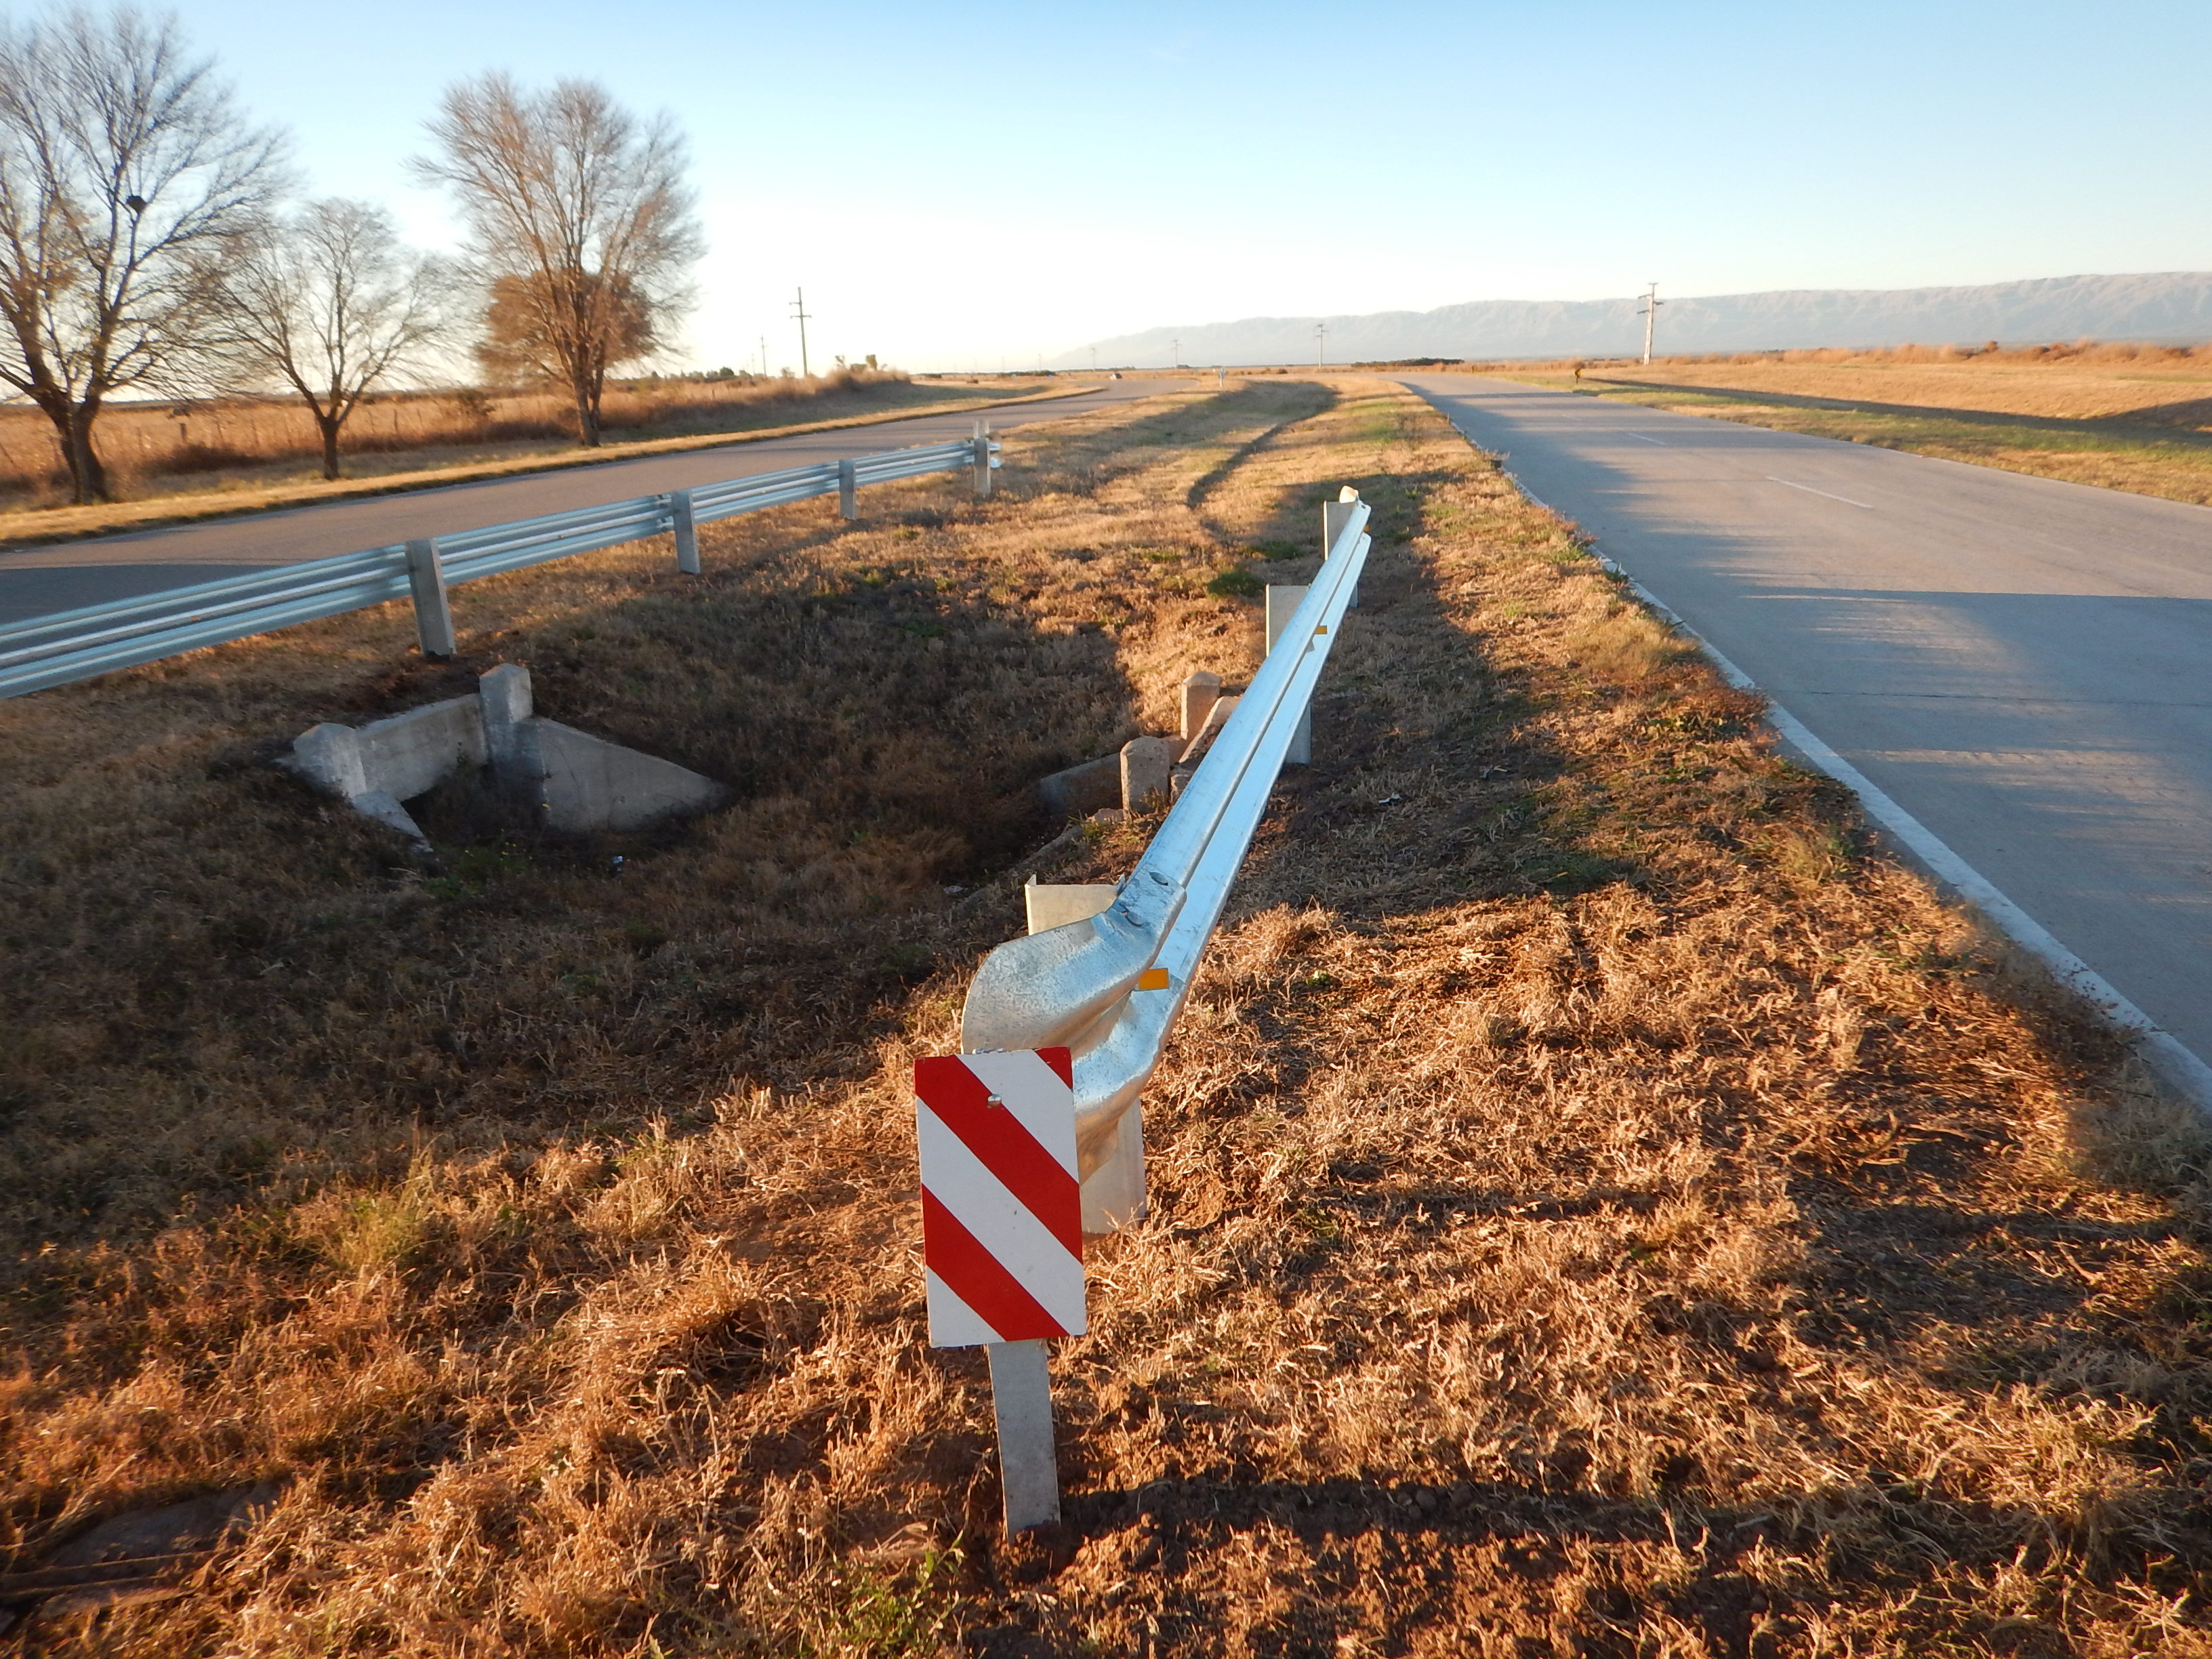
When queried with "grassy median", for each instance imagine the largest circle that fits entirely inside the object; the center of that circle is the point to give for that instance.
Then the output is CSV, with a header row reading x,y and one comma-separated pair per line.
x,y
1601,1204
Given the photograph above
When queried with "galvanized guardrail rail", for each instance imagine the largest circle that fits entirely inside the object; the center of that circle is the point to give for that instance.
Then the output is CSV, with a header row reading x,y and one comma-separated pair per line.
x,y
1078,985
1108,988
98,639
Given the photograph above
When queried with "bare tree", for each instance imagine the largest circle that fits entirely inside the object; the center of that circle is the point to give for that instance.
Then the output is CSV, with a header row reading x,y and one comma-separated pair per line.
x,y
580,222
125,172
515,345
327,303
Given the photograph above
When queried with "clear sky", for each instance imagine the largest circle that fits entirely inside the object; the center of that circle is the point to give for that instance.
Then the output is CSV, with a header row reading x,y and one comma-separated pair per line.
x,y
961,185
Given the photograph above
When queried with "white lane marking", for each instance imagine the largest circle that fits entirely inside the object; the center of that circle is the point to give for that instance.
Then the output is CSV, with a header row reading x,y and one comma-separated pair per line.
x,y
1641,439
1809,491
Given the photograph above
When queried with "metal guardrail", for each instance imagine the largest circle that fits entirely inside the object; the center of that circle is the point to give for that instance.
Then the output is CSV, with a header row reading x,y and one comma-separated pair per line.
x,y
78,645
1087,985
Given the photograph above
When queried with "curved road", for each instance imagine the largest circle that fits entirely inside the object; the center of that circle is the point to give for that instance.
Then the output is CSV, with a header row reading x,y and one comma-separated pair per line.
x,y
2024,666
37,581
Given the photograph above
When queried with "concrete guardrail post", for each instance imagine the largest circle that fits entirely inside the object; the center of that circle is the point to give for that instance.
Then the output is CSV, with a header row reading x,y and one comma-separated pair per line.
x,y
983,457
1282,602
1146,763
687,533
849,491
433,616
1200,691
1333,517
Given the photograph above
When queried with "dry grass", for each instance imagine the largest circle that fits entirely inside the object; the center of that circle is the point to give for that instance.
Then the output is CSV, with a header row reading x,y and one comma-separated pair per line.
x,y
1602,1206
169,449
2122,417
284,483
2156,386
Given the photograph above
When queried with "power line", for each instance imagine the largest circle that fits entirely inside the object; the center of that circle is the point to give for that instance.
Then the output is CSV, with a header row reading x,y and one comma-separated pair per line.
x,y
1650,314
799,310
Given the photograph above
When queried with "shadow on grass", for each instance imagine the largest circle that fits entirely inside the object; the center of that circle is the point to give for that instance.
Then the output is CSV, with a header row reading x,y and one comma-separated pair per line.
x,y
268,989
2174,423
1926,1253
1479,1553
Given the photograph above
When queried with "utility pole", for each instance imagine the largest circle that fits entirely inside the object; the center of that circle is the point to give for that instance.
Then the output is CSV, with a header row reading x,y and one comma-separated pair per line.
x,y
1321,349
763,340
1650,314
1094,359
799,310
1178,353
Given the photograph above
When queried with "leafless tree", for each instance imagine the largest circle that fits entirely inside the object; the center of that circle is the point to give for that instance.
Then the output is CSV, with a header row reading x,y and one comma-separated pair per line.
x,y
580,222
514,343
327,304
125,173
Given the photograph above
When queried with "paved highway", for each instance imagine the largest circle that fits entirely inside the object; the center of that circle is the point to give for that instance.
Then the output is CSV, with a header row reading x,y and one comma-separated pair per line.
x,y
2024,666
38,581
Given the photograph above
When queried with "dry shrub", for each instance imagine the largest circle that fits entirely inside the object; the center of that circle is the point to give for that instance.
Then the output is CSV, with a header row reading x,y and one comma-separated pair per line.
x,y
1601,1206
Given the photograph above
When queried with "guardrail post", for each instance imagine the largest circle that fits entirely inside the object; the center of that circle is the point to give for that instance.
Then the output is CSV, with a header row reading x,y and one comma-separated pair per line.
x,y
1334,515
849,491
433,616
1021,1401
687,533
1200,691
983,457
1281,603
1147,764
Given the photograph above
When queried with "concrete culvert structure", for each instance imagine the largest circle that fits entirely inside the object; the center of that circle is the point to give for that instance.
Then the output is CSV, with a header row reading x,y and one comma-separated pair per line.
x,y
577,781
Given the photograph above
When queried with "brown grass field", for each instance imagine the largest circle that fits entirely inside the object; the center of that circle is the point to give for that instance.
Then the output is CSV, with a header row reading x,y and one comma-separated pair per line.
x,y
2123,417
2156,386
1602,1205
171,462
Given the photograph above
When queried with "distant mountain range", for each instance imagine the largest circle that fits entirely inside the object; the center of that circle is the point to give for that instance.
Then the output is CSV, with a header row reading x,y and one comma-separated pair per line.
x,y
2172,306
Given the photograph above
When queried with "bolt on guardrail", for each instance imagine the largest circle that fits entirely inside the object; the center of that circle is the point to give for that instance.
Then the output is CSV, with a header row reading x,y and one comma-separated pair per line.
x,y
78,645
1100,994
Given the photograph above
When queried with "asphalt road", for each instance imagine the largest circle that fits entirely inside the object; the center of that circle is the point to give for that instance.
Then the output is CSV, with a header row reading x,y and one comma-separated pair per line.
x,y
2024,666
38,581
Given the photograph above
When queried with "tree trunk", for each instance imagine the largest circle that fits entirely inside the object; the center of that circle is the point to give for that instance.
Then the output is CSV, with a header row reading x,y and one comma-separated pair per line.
x,y
587,418
72,425
329,425
87,472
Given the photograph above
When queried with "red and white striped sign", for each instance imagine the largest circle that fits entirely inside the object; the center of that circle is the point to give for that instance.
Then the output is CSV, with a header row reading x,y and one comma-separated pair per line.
x,y
1002,1209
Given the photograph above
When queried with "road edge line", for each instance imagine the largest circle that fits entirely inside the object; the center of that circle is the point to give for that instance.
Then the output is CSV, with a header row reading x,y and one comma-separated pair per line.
x,y
2160,1051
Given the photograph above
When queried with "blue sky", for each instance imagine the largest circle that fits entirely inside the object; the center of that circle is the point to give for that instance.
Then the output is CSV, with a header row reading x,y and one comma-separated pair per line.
x,y
961,185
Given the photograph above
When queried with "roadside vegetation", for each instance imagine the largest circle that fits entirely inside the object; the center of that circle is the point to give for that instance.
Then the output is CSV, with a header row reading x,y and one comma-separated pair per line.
x,y
154,246
1601,1204
2121,416
203,459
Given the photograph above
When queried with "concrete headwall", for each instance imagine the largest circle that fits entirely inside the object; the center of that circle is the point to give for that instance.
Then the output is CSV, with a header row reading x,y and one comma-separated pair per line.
x,y
578,783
